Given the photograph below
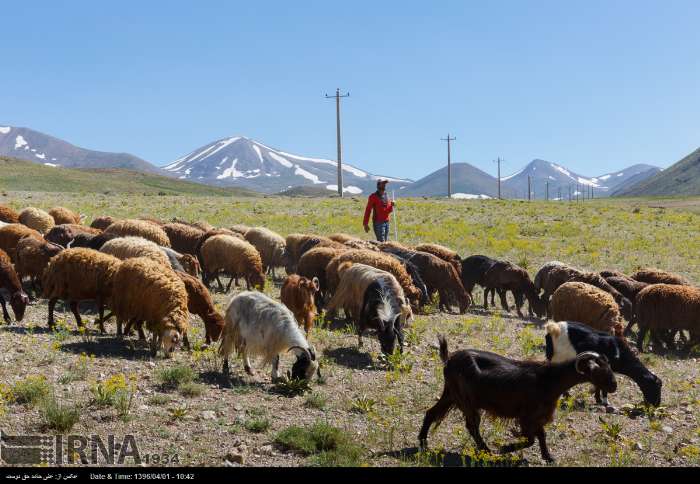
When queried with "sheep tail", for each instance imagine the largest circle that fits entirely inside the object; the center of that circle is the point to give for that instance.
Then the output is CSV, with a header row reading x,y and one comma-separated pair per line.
x,y
444,352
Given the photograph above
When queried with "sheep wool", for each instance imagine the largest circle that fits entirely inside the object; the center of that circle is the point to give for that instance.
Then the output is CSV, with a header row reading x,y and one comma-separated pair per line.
x,y
11,234
8,215
62,234
270,245
233,256
103,222
130,247
314,262
62,215
79,274
37,219
183,238
581,302
139,228
33,257
657,276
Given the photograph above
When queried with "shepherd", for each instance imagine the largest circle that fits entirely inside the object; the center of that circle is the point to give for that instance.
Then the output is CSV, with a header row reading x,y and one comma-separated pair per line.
x,y
379,203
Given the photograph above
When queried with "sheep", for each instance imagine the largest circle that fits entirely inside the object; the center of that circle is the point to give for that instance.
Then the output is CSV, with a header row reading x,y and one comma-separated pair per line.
x,y
139,228
183,238
578,301
32,258
182,262
611,273
524,390
505,276
62,215
361,244
552,270
206,236
298,294
258,325
298,244
89,241
374,259
372,298
36,219
145,292
240,229
313,264
76,275
233,256
628,288
103,222
199,302
341,238
8,215
668,307
438,275
448,255
473,269
129,247
62,234
564,340
203,226
272,247
153,221
13,233
415,278
10,282
657,276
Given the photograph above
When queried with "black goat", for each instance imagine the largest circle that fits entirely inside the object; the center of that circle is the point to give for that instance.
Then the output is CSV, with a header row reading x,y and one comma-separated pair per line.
x,y
566,338
524,390
91,241
415,276
474,268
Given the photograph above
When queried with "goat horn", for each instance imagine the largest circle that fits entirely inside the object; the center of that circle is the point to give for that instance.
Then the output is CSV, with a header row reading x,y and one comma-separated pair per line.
x,y
303,349
585,356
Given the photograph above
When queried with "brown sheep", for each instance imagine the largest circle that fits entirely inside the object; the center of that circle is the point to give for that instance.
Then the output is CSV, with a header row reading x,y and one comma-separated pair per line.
x,y
103,222
139,228
581,302
298,244
657,276
77,275
233,256
668,307
375,259
154,221
143,291
12,284
37,219
32,258
504,276
271,245
183,238
199,302
62,234
240,229
448,255
131,247
298,294
362,244
341,238
313,264
62,215
206,236
13,233
203,226
8,215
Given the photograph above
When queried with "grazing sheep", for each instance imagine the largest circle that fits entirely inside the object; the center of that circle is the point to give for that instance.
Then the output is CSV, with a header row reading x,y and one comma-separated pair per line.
x,y
578,301
206,236
154,221
448,255
183,238
10,282
233,256
415,277
259,326
271,245
298,244
524,390
62,234
62,215
8,215
13,233
89,241
379,260
298,294
32,258
657,276
199,302
612,273
372,298
552,270
313,264
139,228
628,288
130,247
182,262
664,307
143,291
36,219
473,270
341,238
203,226
101,223
240,229
77,275
504,276
564,340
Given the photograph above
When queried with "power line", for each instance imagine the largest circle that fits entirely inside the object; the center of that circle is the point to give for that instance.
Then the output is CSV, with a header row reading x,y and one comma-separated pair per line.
x,y
337,97
449,164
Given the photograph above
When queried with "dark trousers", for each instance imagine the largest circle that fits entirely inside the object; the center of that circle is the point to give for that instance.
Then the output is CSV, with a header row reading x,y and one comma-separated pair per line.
x,y
381,230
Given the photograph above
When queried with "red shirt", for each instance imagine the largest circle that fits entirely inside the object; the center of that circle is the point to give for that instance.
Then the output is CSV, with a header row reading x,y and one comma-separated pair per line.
x,y
381,210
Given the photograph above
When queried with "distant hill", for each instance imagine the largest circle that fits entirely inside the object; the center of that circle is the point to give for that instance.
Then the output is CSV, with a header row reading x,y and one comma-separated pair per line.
x,y
27,144
21,175
682,178
466,180
243,162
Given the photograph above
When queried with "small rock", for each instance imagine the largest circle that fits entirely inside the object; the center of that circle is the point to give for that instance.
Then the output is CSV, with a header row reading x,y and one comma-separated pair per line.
x,y
237,407
638,446
667,429
209,415
266,450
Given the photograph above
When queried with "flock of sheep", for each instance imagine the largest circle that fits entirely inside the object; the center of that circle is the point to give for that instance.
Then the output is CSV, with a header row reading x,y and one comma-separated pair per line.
x,y
152,273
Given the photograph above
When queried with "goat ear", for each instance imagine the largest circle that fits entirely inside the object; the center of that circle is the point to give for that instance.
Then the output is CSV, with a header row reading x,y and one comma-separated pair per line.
x,y
316,284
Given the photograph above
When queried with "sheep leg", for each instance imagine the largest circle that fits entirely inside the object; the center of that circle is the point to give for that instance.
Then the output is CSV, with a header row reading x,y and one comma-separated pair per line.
x,y
276,369
186,341
486,299
221,286
76,313
628,328
640,338
52,306
154,345
101,312
230,283
246,363
601,400
139,329
508,448
5,314
225,369
436,413
503,296
472,420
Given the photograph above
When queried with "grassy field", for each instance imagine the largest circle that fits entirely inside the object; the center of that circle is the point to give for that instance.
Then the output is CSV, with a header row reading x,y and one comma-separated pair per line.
x,y
365,411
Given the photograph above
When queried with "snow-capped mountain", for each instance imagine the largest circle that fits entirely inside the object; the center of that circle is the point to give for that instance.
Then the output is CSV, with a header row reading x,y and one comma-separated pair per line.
x,y
561,179
27,144
243,162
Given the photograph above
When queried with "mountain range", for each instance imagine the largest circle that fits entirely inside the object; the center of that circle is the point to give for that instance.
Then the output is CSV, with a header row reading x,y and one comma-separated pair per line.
x,y
242,162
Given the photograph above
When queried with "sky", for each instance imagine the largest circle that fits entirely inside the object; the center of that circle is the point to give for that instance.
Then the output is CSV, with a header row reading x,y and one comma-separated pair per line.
x,y
594,85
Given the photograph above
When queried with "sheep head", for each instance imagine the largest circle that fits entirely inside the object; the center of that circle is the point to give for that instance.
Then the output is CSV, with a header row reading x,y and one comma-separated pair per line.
x,y
19,301
306,364
597,370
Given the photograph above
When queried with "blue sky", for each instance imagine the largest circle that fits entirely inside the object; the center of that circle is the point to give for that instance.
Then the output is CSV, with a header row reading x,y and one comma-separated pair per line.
x,y
595,85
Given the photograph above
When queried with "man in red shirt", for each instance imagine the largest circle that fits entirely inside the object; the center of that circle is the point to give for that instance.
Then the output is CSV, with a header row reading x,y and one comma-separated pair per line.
x,y
379,203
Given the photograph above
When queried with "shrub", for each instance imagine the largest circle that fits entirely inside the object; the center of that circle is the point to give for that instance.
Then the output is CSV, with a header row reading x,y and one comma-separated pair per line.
x,y
175,376
328,445
57,416
257,425
31,390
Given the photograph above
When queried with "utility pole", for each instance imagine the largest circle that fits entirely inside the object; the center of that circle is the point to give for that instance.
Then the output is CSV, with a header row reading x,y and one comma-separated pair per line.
x,y
499,176
449,164
559,194
529,192
546,191
337,121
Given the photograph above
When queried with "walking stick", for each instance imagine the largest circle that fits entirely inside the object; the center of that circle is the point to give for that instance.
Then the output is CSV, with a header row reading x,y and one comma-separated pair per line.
x,y
396,217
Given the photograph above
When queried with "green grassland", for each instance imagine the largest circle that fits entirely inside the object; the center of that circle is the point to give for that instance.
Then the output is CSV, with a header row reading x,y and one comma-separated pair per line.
x,y
365,411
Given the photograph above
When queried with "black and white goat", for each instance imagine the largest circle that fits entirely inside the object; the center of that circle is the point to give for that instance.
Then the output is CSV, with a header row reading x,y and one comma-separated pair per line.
x,y
564,340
